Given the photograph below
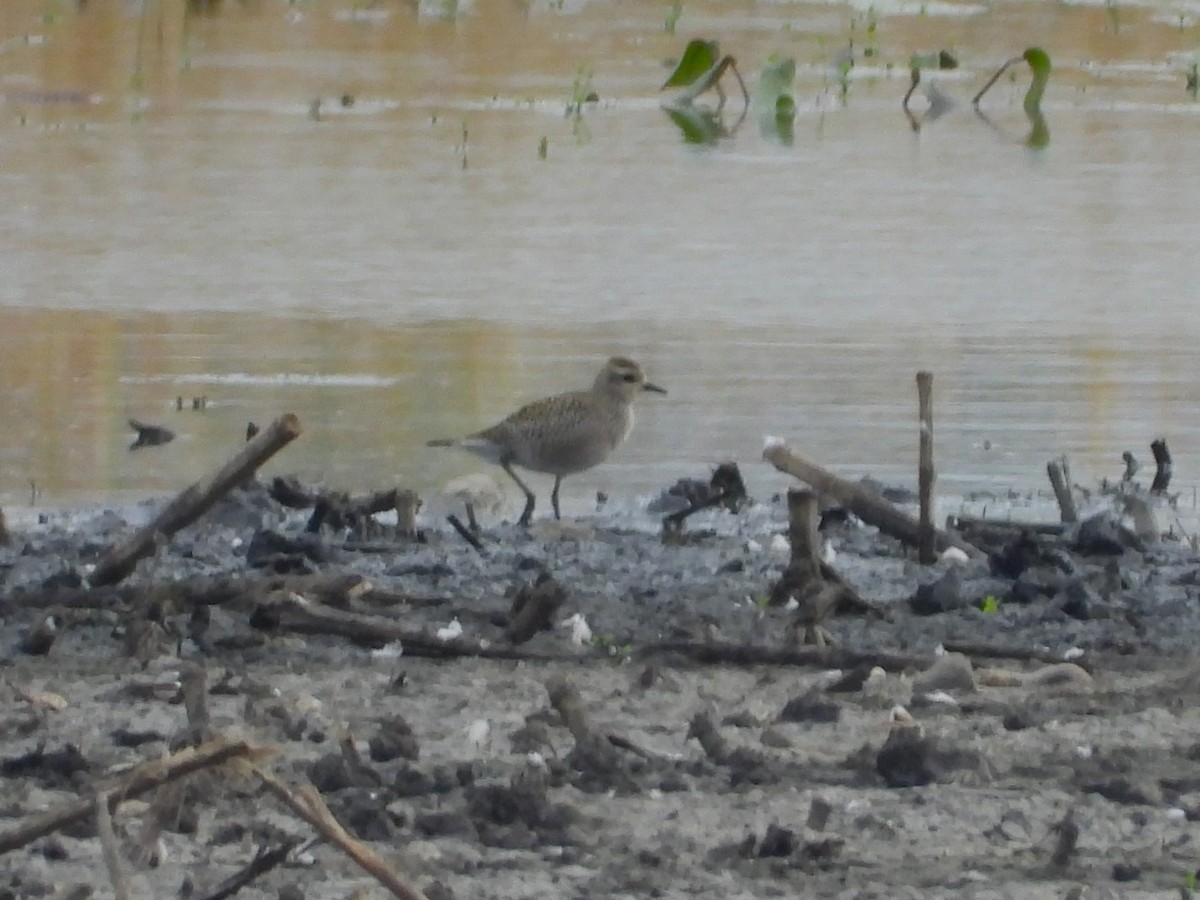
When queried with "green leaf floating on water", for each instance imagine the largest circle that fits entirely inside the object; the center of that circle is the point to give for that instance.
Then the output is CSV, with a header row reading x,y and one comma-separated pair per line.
x,y
699,57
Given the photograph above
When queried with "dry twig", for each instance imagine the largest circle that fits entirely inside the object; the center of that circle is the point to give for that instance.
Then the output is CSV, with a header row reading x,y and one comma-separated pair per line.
x,y
308,804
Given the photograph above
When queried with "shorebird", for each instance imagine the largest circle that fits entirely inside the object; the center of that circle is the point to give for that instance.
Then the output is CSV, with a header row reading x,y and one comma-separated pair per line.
x,y
563,434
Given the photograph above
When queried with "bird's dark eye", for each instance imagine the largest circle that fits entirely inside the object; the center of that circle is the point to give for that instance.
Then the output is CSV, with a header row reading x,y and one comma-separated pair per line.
x,y
629,376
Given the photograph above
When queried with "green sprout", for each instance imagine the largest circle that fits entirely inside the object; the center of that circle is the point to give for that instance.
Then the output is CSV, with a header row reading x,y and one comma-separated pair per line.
x,y
1039,64
991,604
673,15
581,94
872,49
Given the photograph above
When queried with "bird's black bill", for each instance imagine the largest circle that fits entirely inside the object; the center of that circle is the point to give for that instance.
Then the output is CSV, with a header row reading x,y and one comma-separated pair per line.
x,y
653,387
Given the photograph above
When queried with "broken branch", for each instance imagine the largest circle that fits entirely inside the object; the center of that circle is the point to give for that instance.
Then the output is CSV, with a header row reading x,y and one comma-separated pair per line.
x,y
121,558
863,502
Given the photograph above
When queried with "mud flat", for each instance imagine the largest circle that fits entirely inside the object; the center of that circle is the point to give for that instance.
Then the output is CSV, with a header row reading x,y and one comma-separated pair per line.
x,y
679,746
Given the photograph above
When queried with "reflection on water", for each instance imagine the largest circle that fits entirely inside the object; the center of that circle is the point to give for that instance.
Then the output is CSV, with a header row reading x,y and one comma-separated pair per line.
x,y
419,261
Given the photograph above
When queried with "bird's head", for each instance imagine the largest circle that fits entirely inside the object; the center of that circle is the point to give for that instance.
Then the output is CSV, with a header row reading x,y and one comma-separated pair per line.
x,y
624,378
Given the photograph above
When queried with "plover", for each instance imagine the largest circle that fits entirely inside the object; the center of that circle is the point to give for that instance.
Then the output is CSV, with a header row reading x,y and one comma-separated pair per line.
x,y
563,434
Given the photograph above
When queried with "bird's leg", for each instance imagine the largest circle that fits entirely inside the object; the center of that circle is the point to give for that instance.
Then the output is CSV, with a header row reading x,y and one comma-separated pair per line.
x,y
554,496
527,515
472,523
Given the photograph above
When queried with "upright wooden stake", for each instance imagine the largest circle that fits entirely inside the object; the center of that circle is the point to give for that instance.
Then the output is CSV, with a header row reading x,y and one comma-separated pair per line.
x,y
1060,480
802,531
1162,466
927,551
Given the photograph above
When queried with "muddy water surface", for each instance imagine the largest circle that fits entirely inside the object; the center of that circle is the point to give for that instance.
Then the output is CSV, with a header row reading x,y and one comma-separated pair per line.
x,y
340,209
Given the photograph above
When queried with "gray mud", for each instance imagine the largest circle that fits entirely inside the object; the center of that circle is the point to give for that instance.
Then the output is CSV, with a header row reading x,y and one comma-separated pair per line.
x,y
745,781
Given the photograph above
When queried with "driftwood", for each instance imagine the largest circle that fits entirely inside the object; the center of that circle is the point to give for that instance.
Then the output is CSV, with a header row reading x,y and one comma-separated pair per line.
x,y
820,657
593,752
725,488
1060,480
308,804
998,530
926,552
284,613
1162,466
121,559
533,608
467,534
337,509
818,590
238,590
137,781
109,849
860,500
1023,654
844,657
264,861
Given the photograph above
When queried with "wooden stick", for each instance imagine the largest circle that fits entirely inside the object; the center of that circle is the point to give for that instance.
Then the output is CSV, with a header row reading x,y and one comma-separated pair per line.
x,y
121,558
464,532
863,502
926,552
1060,480
821,657
803,509
308,804
286,614
109,849
976,523
136,781
1162,466
264,861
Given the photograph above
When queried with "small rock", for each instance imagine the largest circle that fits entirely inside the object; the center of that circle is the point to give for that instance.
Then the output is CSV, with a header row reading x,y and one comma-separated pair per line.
x,y
448,822
949,672
905,758
774,737
1061,675
1135,791
1124,871
999,678
1102,536
818,813
850,681
777,842
1079,599
810,707
939,596
412,782
1036,584
395,739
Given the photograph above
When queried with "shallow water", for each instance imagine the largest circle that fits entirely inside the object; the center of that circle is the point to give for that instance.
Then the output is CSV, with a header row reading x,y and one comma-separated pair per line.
x,y
177,223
